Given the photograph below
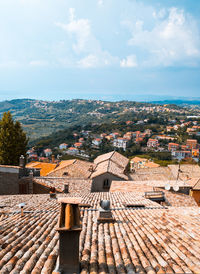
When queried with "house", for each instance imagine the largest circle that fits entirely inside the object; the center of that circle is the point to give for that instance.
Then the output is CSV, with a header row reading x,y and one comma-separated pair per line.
x,y
137,162
191,143
81,140
72,151
115,134
73,169
152,143
109,137
173,146
148,132
120,143
96,142
181,154
129,122
63,146
78,145
110,166
47,152
169,128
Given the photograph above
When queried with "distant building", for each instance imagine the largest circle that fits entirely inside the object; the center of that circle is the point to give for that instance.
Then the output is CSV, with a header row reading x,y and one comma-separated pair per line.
x,y
63,146
72,151
152,143
96,142
78,145
138,162
180,155
120,143
173,146
47,152
191,143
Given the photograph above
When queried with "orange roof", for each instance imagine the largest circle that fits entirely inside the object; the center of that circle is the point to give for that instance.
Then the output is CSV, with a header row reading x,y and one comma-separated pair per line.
x,y
63,164
78,144
173,144
138,159
45,168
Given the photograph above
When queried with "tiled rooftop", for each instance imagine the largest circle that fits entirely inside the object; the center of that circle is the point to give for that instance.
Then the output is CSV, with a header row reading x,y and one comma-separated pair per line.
x,y
175,199
111,167
152,240
114,157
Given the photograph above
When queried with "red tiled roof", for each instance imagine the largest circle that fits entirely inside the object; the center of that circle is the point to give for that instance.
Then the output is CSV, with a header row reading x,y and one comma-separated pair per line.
x,y
151,240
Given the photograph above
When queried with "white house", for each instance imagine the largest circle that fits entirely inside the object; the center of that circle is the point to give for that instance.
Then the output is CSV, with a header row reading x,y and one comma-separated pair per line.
x,y
63,146
120,143
96,141
47,152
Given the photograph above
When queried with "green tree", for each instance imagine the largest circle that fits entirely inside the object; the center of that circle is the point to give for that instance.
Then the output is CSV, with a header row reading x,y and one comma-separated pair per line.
x,y
13,140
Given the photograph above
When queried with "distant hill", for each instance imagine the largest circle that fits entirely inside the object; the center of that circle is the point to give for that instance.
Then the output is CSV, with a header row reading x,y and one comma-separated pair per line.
x,y
41,118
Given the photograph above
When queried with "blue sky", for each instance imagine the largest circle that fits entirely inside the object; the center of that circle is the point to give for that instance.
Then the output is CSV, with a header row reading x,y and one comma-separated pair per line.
x,y
99,49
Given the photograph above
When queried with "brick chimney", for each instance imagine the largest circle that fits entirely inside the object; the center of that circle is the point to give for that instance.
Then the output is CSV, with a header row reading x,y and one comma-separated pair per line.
x,y
69,229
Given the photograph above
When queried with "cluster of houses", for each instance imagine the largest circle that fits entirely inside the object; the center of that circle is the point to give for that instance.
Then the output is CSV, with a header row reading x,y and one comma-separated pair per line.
x,y
170,134
190,150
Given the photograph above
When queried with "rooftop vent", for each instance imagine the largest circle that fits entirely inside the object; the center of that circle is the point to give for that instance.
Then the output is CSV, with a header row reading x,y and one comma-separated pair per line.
x,y
105,214
156,196
135,205
69,229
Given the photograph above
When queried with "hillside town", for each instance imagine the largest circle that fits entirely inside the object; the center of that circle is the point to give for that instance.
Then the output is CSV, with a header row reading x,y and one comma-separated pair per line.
x,y
178,139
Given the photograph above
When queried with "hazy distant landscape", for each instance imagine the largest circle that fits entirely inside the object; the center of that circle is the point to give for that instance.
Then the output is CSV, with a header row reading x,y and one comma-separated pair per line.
x,y
41,118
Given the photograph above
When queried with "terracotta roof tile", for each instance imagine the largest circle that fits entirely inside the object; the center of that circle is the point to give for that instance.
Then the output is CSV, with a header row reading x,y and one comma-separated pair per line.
x,y
151,240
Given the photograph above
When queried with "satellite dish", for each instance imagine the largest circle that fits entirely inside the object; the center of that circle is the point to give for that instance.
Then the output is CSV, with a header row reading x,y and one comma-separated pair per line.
x,y
167,187
176,188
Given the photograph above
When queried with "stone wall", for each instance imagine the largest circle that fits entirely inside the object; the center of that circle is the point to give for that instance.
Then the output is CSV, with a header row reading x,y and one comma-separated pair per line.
x,y
9,178
98,182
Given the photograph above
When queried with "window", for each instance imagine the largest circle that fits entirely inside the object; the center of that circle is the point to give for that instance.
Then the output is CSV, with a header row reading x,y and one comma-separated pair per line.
x,y
106,183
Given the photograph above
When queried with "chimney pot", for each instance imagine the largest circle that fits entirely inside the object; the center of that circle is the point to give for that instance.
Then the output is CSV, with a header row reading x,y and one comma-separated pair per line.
x,y
69,232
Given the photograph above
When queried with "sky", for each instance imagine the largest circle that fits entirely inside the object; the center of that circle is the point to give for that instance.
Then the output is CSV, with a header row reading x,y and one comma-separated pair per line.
x,y
99,49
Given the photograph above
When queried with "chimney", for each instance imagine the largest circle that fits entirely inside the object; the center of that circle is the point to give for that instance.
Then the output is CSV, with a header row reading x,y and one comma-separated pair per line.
x,y
105,214
69,229
22,161
53,158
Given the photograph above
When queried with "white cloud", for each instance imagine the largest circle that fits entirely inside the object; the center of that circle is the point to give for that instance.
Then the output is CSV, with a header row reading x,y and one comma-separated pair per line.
x,y
174,40
85,46
129,62
80,28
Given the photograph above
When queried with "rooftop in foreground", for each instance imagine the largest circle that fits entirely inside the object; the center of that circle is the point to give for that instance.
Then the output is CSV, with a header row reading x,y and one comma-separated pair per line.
x,y
153,239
